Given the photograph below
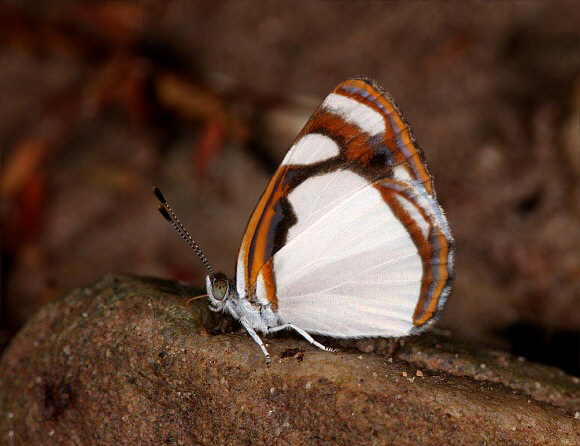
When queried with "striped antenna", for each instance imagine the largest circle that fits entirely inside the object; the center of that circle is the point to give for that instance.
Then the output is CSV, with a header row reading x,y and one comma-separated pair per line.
x,y
170,216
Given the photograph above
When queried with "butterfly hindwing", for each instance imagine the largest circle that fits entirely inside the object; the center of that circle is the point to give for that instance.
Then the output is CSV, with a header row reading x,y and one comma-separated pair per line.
x,y
348,239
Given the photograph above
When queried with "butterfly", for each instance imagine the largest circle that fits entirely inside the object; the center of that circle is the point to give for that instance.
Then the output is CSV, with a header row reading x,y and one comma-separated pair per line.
x,y
348,239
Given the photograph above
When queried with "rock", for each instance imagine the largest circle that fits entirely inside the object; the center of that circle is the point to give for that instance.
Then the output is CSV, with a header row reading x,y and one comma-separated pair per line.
x,y
124,362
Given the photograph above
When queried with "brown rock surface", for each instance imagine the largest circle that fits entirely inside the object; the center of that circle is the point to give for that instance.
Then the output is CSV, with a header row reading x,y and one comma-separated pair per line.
x,y
123,362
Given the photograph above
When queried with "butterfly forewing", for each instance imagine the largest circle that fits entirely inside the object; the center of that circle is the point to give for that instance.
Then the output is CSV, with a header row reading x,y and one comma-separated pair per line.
x,y
348,239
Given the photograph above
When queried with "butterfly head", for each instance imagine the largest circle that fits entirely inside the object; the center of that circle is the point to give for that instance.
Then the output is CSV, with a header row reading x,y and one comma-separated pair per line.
x,y
218,290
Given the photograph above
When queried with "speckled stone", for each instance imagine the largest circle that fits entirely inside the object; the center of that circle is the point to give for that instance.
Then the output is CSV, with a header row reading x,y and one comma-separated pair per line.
x,y
124,362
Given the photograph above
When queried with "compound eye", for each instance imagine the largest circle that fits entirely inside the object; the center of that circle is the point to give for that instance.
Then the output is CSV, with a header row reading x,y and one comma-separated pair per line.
x,y
219,286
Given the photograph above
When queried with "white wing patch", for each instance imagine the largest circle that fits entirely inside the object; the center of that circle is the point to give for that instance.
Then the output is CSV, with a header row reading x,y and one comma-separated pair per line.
x,y
320,194
402,174
261,294
349,268
367,119
414,213
241,273
311,148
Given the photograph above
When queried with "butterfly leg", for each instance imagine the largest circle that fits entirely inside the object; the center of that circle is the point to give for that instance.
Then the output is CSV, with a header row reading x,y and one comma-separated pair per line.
x,y
304,335
258,341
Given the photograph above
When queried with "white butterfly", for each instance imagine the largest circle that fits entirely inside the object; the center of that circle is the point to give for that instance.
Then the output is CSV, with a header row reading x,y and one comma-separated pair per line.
x,y
348,240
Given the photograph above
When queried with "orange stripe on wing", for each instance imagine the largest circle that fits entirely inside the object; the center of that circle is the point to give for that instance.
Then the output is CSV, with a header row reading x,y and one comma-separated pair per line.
x,y
255,241
354,144
267,272
396,127
421,314
427,302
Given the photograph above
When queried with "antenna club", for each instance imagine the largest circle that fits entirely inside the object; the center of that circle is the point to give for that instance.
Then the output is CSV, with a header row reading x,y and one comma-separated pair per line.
x,y
159,195
164,212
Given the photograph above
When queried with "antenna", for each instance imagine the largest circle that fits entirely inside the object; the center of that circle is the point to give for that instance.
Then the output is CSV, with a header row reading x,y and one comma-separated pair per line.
x,y
170,216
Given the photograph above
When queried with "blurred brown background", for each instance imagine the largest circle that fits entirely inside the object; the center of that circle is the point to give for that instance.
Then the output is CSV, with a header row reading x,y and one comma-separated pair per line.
x,y
101,100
